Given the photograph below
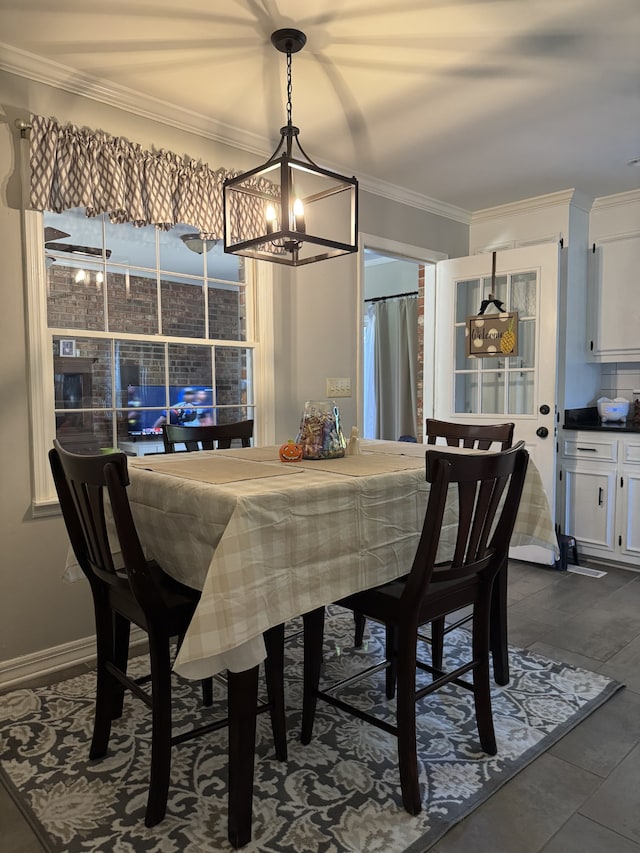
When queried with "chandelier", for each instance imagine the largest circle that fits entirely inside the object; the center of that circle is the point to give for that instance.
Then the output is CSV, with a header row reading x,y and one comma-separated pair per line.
x,y
290,210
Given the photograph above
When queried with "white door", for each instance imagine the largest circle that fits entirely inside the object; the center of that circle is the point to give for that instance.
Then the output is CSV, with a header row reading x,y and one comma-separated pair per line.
x,y
519,388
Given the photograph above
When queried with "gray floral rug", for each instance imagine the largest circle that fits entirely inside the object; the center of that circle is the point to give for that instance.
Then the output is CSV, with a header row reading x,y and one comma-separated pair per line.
x,y
339,793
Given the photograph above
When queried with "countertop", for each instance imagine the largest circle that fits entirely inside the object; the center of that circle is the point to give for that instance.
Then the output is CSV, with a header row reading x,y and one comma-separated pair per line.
x,y
606,427
588,419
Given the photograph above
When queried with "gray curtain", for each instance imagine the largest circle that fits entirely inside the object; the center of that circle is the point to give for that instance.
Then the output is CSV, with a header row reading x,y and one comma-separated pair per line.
x,y
396,366
75,167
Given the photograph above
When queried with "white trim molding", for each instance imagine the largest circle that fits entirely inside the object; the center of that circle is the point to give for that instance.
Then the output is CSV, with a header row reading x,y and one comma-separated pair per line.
x,y
47,661
631,197
527,205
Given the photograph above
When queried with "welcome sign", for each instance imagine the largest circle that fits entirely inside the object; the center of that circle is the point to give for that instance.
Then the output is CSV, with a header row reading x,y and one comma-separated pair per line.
x,y
492,335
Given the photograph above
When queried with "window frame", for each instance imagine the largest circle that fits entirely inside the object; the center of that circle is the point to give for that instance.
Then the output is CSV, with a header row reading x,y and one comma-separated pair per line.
x,y
259,332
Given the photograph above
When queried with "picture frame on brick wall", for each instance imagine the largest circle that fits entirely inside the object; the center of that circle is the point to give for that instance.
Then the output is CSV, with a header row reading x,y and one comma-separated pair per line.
x,y
68,347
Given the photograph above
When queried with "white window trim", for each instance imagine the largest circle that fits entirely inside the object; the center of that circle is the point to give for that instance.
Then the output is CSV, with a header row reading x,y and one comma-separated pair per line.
x,y
41,391
259,291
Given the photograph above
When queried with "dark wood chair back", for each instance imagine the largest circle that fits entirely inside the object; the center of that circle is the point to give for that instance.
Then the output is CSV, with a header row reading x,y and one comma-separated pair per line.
x,y
82,482
483,507
478,436
472,436
207,437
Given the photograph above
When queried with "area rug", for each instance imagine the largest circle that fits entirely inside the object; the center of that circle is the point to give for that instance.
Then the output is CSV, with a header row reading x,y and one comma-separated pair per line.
x,y
339,793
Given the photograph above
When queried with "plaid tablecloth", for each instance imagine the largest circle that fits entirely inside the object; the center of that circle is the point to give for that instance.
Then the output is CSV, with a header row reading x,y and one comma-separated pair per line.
x,y
265,549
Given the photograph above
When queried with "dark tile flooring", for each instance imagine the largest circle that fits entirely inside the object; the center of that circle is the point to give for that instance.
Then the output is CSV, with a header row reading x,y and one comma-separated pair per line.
x,y
583,795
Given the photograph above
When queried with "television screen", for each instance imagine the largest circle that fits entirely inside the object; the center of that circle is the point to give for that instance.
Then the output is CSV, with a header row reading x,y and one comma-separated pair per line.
x,y
147,407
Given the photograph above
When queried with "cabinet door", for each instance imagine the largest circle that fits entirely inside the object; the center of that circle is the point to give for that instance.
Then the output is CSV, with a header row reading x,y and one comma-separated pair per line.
x,y
630,493
617,307
589,506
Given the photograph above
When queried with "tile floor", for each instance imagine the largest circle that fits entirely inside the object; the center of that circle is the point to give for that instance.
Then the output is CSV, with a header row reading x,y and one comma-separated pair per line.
x,y
582,796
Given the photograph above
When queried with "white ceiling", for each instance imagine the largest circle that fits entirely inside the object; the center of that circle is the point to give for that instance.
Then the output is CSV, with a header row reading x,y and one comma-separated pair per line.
x,y
471,103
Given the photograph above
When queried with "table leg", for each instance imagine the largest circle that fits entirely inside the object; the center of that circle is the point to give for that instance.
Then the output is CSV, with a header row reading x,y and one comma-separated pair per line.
x,y
498,636
243,701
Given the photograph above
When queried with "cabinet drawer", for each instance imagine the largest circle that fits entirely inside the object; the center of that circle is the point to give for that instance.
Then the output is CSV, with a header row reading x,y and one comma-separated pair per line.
x,y
604,450
631,451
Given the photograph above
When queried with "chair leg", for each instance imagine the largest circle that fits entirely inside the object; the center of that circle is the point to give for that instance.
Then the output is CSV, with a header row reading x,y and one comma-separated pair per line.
x,y
313,639
360,622
481,675
406,721
207,692
243,700
391,655
274,673
106,686
437,642
122,629
498,627
159,653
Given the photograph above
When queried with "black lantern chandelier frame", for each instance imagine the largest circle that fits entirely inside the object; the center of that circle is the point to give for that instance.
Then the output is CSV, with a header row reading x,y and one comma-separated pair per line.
x,y
280,210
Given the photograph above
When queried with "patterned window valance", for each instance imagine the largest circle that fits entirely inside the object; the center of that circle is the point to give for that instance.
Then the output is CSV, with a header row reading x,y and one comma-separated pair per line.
x,y
73,167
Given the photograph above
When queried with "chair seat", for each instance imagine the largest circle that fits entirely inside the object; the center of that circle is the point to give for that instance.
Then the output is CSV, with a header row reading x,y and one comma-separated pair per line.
x,y
177,600
445,596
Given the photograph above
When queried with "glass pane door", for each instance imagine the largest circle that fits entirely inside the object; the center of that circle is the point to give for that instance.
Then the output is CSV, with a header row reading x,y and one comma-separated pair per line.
x,y
497,385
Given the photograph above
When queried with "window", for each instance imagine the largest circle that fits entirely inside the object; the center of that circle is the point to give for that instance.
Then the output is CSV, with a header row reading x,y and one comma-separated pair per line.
x,y
125,322
497,385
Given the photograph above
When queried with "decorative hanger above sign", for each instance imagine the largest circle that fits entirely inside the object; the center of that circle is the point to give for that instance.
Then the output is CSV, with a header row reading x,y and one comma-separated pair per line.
x,y
495,334
490,301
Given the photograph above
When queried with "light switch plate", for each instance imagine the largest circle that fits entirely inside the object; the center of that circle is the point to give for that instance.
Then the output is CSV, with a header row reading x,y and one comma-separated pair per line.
x,y
338,387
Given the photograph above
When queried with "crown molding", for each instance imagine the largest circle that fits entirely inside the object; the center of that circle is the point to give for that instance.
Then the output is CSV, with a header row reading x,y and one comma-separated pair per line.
x,y
414,199
630,197
41,70
527,205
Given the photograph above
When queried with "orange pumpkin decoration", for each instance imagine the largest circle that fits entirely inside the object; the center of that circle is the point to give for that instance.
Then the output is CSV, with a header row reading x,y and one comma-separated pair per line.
x,y
290,452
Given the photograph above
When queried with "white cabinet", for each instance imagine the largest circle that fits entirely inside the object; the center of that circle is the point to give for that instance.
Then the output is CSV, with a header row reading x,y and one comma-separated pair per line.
x,y
589,474
601,478
614,307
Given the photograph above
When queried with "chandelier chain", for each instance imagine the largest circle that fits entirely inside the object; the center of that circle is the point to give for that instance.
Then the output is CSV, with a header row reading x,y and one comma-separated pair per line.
x,y
289,87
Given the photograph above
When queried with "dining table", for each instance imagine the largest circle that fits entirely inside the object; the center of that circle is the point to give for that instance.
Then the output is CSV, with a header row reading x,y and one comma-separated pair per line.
x,y
266,541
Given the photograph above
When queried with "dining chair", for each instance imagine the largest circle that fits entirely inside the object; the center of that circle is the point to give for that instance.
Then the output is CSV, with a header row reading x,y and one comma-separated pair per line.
x,y
206,437
478,543
477,437
133,590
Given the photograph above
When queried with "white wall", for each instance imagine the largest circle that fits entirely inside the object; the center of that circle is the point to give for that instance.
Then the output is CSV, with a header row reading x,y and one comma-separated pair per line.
x,y
620,380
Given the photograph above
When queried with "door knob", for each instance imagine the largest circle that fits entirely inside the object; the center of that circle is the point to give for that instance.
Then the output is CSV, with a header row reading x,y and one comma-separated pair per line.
x,y
542,432
544,409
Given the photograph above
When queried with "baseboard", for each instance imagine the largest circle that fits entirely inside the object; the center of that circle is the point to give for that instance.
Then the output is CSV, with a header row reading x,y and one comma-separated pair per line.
x,y
19,670
601,563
